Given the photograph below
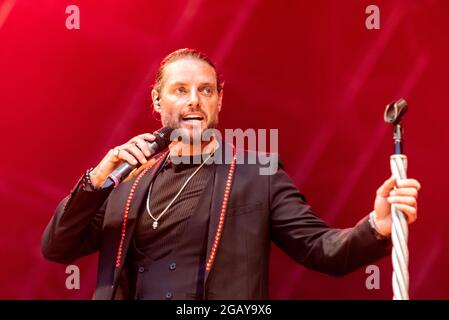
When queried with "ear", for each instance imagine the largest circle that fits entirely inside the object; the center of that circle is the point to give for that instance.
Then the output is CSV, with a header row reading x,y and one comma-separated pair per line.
x,y
156,100
220,100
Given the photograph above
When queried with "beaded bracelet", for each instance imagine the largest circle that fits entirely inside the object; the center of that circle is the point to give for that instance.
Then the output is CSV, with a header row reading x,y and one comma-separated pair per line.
x,y
87,181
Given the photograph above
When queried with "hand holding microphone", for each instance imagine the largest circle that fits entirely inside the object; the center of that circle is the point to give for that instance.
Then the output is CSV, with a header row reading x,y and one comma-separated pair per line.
x,y
121,160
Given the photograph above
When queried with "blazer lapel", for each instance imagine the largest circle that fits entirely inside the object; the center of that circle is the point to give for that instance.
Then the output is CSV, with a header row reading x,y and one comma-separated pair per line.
x,y
142,188
140,191
124,189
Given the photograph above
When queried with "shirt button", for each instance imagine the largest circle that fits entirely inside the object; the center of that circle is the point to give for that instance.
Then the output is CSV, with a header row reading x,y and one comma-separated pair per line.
x,y
168,295
172,266
141,269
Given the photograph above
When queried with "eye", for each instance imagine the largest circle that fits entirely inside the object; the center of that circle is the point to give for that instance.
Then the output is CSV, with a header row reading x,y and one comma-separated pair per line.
x,y
180,90
207,90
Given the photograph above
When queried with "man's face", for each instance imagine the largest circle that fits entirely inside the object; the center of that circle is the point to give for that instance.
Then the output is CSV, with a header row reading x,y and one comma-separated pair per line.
x,y
189,99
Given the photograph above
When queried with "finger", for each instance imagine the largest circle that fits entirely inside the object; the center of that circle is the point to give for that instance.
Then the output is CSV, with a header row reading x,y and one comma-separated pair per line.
x,y
413,192
136,152
126,156
112,155
410,212
387,186
148,137
409,183
143,146
411,201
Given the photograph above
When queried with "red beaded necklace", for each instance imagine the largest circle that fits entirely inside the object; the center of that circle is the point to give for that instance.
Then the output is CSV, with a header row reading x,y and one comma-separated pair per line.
x,y
211,258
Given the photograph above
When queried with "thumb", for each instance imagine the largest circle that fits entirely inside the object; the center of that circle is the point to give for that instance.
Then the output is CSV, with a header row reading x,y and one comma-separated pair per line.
x,y
386,187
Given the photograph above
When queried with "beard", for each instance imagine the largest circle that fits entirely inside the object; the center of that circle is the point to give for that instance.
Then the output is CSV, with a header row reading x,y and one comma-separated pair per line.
x,y
191,134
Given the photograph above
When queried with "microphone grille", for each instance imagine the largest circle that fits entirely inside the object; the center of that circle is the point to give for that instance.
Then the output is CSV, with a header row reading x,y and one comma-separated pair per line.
x,y
163,137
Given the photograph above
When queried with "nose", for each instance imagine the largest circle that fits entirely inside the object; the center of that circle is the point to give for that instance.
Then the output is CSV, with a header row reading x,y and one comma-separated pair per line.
x,y
194,98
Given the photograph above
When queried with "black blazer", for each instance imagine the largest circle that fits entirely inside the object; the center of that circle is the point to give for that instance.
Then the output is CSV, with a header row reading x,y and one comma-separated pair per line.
x,y
261,209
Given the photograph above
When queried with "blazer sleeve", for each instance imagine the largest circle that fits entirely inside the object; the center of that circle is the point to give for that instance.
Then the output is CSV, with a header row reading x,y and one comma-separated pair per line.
x,y
308,240
75,228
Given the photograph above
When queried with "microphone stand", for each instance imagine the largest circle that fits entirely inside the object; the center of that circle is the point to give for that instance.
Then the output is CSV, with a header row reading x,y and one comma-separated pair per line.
x,y
399,233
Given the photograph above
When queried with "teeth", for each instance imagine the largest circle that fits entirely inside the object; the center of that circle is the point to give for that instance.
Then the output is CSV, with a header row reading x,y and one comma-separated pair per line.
x,y
193,118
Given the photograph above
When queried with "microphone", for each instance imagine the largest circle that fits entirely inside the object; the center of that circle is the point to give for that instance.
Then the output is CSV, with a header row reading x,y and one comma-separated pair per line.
x,y
162,141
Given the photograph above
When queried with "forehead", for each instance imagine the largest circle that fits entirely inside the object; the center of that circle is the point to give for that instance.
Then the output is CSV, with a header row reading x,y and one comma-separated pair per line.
x,y
189,70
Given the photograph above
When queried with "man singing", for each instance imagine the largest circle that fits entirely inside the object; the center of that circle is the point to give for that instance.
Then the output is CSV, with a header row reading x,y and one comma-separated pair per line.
x,y
197,229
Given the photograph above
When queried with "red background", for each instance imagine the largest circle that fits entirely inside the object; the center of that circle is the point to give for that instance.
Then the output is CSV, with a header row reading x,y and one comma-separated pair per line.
x,y
309,68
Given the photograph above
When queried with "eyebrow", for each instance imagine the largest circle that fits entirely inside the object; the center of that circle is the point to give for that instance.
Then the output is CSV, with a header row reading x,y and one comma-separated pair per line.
x,y
180,83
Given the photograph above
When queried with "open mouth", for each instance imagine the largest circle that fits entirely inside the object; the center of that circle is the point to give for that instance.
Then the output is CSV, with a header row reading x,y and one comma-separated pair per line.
x,y
193,118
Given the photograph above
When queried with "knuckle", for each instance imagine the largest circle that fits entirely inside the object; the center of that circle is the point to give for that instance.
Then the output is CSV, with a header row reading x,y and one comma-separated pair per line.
x,y
134,149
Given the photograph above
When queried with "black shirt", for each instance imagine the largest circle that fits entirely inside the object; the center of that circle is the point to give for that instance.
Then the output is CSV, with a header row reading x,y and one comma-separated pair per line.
x,y
157,243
